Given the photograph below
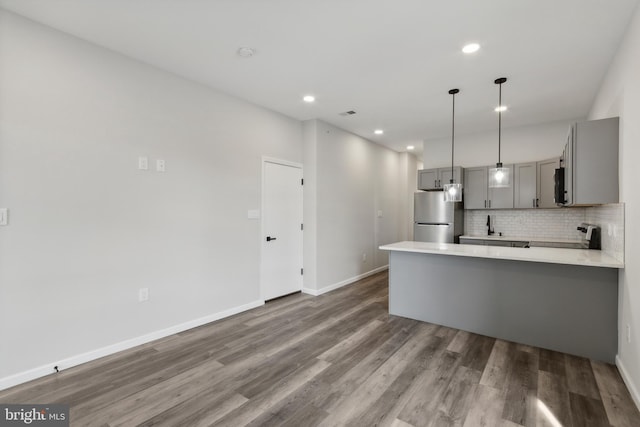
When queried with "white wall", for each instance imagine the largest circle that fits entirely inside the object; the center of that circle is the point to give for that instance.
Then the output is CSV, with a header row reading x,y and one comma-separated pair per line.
x,y
353,179
87,229
619,95
519,145
409,166
310,156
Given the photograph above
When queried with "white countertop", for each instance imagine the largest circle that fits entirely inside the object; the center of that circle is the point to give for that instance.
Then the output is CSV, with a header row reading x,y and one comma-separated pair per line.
x,y
521,239
586,257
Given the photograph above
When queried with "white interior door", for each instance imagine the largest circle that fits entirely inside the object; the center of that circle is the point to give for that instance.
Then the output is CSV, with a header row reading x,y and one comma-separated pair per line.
x,y
281,230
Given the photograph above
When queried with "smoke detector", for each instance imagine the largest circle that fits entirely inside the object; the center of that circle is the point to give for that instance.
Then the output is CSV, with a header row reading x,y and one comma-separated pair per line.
x,y
246,52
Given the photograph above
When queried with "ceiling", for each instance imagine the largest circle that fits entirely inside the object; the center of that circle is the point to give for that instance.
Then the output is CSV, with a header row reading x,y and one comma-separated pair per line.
x,y
392,62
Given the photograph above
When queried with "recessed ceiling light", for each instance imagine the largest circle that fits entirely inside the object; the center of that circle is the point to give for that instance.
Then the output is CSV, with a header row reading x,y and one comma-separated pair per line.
x,y
246,52
500,108
378,131
471,47
309,98
410,147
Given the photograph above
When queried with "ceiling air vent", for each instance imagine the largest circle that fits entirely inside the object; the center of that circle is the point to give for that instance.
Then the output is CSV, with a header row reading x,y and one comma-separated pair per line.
x,y
348,113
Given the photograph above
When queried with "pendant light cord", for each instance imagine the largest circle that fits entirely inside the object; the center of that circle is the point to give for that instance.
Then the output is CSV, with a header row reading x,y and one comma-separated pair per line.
x,y
453,127
499,82
499,121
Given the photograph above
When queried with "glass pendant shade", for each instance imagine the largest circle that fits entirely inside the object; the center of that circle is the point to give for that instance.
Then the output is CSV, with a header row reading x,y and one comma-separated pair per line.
x,y
452,192
499,177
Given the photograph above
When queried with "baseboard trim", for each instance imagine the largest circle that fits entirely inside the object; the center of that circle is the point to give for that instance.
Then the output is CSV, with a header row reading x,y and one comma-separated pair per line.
x,y
633,390
41,371
316,292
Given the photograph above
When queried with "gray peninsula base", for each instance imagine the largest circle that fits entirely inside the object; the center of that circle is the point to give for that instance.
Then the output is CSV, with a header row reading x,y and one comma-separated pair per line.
x,y
567,308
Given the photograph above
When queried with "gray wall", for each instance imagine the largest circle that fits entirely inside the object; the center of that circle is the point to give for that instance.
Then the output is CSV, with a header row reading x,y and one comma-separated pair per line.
x,y
519,145
619,95
87,229
347,181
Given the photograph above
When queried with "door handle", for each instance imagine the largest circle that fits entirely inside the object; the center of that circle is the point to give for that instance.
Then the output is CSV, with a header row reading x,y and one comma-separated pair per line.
x,y
269,238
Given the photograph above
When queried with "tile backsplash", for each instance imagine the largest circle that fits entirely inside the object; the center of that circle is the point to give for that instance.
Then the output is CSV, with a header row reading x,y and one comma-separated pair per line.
x,y
547,223
610,218
553,223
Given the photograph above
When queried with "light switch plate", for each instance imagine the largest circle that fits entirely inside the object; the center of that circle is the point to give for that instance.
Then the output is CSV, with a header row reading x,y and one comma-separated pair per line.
x,y
4,216
253,214
143,163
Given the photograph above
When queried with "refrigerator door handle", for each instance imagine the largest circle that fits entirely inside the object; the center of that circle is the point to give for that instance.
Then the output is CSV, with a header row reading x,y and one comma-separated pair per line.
x,y
434,223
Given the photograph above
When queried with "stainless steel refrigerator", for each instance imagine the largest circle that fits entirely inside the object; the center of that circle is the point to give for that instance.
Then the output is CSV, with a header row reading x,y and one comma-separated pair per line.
x,y
435,220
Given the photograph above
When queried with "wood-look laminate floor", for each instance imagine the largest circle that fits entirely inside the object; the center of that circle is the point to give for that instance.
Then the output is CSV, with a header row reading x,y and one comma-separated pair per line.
x,y
336,359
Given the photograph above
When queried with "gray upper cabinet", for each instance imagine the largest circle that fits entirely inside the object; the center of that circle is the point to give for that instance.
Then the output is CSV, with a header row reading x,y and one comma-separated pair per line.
x,y
534,184
590,160
524,186
502,198
445,175
478,195
427,179
435,179
475,188
546,170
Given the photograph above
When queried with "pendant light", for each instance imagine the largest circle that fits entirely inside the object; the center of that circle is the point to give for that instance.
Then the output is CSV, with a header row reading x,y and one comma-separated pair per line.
x,y
453,191
499,176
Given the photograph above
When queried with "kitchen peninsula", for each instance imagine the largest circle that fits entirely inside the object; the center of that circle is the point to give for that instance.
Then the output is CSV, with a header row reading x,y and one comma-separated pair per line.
x,y
560,299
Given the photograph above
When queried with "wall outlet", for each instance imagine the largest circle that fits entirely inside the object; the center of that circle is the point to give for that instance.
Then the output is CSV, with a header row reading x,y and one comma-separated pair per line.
x,y
628,333
160,165
364,257
4,216
143,294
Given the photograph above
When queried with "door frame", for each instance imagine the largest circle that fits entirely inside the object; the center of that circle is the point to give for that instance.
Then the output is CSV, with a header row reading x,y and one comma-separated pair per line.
x,y
265,160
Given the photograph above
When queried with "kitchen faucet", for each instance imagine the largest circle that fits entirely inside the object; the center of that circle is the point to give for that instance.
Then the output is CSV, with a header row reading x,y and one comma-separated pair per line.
x,y
489,229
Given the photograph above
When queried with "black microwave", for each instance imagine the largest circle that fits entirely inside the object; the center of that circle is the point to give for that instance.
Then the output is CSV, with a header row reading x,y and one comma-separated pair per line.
x,y
558,187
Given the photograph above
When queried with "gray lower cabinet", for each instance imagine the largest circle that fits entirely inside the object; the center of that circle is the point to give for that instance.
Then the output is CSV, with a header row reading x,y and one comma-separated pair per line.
x,y
566,308
546,170
491,242
478,195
